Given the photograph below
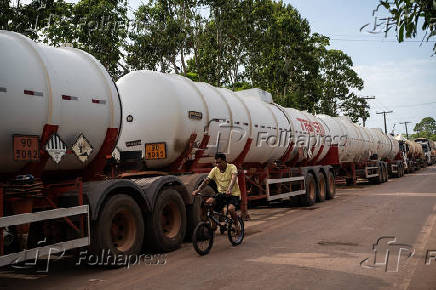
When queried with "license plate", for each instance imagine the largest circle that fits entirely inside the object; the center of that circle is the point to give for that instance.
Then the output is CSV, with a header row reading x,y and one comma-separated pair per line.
x,y
155,151
26,148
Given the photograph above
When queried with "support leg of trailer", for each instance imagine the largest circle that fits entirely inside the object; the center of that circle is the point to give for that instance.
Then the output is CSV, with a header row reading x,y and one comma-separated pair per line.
x,y
353,172
244,198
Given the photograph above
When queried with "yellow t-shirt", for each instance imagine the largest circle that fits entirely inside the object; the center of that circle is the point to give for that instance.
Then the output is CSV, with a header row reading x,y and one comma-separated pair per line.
x,y
223,179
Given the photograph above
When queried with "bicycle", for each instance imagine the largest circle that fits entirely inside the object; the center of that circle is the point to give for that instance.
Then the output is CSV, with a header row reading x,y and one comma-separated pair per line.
x,y
204,234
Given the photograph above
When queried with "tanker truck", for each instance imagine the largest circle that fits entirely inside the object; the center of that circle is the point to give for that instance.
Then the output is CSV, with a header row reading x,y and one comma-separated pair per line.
x,y
64,120
428,148
413,154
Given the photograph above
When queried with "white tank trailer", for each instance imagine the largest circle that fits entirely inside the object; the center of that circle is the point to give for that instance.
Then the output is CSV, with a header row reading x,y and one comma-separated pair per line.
x,y
167,109
63,105
65,87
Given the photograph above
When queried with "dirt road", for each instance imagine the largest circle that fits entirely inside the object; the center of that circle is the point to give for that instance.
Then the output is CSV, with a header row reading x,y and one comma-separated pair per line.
x,y
322,247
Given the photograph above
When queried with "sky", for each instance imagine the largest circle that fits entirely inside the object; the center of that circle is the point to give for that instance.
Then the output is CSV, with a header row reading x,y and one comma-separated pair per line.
x,y
402,77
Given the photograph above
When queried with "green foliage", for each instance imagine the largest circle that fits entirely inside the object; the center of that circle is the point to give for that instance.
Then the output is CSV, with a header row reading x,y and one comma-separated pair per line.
x,y
338,81
98,27
408,14
163,32
426,128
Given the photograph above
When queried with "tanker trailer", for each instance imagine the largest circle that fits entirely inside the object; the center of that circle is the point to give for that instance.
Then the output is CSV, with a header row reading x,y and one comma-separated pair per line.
x,y
276,149
61,117
363,153
427,149
415,155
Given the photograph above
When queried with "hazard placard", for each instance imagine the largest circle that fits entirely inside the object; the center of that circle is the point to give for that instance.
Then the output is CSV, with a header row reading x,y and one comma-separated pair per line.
x,y
155,151
82,148
26,148
56,148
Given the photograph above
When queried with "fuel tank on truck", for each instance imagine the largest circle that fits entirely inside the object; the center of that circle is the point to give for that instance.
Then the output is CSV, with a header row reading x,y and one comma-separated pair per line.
x,y
358,144
65,87
163,111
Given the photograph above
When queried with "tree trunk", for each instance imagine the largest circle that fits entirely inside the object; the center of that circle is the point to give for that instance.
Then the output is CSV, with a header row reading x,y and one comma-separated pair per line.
x,y
182,60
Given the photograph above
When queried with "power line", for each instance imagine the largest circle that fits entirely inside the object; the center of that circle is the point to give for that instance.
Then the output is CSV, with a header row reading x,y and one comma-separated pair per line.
x,y
416,105
382,40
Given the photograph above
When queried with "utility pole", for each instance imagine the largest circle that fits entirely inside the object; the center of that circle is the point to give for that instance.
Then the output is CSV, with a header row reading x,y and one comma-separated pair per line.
x,y
384,116
366,98
405,125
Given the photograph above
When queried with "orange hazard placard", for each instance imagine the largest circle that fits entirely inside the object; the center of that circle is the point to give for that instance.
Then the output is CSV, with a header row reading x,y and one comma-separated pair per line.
x,y
155,151
26,148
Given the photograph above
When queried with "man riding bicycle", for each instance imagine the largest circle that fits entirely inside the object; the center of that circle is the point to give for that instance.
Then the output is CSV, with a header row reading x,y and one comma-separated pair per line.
x,y
225,176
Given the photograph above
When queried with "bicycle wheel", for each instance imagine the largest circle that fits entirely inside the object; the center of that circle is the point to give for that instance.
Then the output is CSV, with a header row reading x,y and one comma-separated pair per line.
x,y
236,237
202,238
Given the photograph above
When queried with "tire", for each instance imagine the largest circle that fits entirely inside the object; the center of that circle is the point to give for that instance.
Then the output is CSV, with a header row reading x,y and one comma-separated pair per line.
x,y
349,181
331,186
236,240
203,234
194,212
119,228
309,198
322,188
167,225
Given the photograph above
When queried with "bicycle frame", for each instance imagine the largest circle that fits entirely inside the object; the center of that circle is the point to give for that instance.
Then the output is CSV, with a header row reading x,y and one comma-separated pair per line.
x,y
211,213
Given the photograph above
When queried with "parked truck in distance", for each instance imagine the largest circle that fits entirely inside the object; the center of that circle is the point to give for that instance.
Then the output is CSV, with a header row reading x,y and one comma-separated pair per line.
x,y
429,148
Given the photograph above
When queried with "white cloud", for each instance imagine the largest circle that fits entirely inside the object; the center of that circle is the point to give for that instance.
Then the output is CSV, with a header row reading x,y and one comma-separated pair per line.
x,y
401,87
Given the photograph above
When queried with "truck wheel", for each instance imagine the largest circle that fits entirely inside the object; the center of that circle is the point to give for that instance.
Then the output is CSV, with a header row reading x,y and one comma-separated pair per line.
x,y
167,224
331,186
120,227
309,198
320,197
194,212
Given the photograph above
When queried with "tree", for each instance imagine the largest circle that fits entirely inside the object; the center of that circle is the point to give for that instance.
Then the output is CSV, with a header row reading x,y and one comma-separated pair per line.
x,y
221,41
408,14
282,55
162,36
100,28
426,128
32,18
338,81
97,26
